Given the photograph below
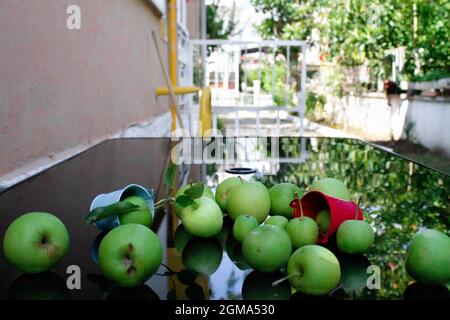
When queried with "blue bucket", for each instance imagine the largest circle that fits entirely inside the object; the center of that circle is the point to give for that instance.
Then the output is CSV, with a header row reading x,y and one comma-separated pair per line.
x,y
106,199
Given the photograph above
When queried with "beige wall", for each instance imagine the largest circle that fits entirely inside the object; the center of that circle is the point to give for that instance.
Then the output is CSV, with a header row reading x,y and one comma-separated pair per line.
x,y
61,88
193,18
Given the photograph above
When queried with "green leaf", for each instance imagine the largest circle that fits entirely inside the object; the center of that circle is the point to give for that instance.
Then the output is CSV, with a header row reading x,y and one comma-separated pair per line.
x,y
114,209
196,191
184,201
195,292
172,295
187,276
169,178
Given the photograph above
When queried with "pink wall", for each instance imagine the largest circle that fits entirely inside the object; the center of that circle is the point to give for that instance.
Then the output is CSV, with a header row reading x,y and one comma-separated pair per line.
x,y
62,88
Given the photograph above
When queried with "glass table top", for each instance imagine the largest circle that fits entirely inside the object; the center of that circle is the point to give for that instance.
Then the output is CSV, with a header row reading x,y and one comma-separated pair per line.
x,y
398,197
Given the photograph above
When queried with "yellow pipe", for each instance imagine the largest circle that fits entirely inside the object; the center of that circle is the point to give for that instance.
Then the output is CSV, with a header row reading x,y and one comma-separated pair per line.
x,y
164,91
173,53
205,111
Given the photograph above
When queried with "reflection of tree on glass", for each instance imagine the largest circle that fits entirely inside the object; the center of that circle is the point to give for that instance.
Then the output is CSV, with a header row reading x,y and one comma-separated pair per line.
x,y
399,197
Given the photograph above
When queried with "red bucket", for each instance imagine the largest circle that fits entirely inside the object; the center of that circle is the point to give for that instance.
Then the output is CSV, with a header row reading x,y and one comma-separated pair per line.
x,y
340,210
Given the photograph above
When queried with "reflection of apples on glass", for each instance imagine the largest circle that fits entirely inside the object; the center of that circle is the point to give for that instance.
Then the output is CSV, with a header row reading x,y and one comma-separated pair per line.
x,y
227,229
39,286
354,276
258,286
142,292
181,237
420,291
202,255
234,252
35,242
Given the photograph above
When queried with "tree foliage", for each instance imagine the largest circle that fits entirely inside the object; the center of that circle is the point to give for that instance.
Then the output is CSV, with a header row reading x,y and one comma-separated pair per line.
x,y
221,23
353,32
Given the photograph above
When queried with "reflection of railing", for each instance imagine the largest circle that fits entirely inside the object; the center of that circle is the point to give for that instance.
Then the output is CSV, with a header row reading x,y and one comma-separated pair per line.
x,y
228,58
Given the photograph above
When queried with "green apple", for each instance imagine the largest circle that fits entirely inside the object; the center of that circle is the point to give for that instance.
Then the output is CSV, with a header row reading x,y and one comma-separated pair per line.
x,y
181,237
281,196
333,188
355,236
202,255
224,188
323,220
178,208
313,270
251,198
267,248
278,221
428,257
243,225
35,242
204,221
130,254
302,231
39,286
258,286
143,215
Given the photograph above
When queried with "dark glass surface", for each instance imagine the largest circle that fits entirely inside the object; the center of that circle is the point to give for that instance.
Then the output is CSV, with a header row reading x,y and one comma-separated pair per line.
x,y
398,197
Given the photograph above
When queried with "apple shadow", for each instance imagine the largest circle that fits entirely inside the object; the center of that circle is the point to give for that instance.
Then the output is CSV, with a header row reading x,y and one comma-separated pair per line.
x,y
142,292
418,291
39,286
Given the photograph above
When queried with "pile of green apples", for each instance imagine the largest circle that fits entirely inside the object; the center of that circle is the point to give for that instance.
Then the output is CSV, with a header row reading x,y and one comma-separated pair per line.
x,y
266,234
255,225
266,237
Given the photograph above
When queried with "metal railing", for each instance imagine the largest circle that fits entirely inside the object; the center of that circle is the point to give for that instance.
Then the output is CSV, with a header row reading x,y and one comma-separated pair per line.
x,y
227,69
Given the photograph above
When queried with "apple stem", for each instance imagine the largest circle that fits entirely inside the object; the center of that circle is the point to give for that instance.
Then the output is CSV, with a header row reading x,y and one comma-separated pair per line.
x,y
164,202
240,178
169,269
275,283
300,203
357,208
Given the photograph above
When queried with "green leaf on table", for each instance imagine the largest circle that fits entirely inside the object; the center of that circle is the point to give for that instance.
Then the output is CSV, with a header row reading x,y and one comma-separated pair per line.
x,y
112,210
196,191
184,201
169,178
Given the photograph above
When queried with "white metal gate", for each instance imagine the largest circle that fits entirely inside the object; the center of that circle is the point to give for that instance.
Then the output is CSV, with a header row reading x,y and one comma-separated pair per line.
x,y
230,64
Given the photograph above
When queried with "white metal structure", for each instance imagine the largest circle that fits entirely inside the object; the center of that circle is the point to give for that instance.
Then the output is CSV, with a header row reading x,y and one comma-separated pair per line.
x,y
221,73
